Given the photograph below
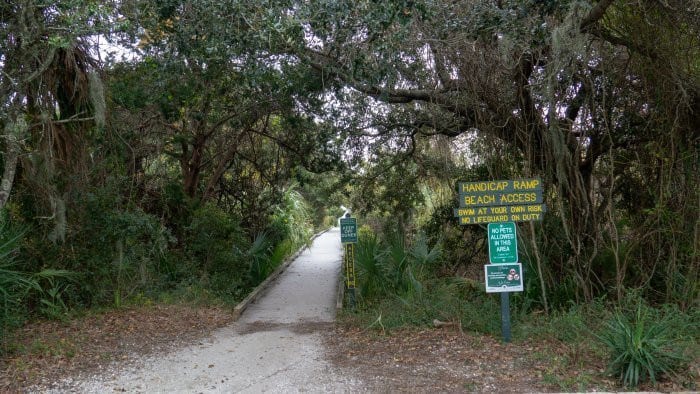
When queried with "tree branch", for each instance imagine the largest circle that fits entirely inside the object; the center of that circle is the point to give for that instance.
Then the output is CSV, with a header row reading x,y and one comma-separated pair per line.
x,y
595,15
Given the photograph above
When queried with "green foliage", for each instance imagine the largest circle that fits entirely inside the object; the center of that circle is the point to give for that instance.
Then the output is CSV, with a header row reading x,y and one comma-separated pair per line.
x,y
450,300
292,219
279,253
217,252
51,286
642,345
224,260
399,283
395,261
425,258
14,285
321,192
258,255
392,267
370,274
120,249
18,288
111,251
571,325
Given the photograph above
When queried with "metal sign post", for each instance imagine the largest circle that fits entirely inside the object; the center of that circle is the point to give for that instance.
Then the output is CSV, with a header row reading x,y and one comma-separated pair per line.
x,y
348,236
500,204
350,272
504,278
505,317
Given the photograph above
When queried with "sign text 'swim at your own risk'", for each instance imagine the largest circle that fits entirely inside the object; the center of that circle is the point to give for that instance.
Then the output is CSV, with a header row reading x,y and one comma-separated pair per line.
x,y
500,214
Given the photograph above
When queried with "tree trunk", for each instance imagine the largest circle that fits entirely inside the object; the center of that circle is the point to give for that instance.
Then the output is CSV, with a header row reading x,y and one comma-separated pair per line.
x,y
192,165
13,131
221,168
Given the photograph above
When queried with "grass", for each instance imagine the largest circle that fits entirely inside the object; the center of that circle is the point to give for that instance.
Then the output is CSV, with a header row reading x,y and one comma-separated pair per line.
x,y
584,346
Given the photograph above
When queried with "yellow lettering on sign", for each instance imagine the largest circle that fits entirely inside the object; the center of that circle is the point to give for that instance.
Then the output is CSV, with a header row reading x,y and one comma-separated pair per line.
x,y
526,184
517,209
484,186
487,199
532,216
511,198
534,208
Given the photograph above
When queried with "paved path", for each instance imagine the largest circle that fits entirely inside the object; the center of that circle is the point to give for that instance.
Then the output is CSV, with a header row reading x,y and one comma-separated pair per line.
x,y
306,291
276,346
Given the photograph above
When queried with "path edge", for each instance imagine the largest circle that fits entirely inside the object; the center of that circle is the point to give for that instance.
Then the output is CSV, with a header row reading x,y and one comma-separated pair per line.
x,y
340,295
253,296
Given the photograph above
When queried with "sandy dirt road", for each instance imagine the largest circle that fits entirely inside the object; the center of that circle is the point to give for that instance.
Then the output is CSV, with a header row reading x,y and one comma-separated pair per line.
x,y
276,345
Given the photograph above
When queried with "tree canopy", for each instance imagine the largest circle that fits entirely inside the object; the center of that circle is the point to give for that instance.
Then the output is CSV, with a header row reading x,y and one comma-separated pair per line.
x,y
224,108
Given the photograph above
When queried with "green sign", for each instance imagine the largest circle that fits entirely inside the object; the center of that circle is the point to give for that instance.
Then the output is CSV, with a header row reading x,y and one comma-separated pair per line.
x,y
503,243
513,213
348,230
502,278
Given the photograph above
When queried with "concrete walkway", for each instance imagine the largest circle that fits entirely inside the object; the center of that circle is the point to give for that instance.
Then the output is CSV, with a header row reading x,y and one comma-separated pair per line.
x,y
306,290
276,345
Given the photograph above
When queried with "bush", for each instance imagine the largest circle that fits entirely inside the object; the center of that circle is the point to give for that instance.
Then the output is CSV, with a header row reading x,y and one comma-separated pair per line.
x,y
641,345
14,285
119,252
217,252
292,220
370,274
258,256
393,267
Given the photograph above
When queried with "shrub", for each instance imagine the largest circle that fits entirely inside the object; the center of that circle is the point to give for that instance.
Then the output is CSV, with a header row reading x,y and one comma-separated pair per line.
x,y
259,257
121,250
641,345
14,285
216,248
370,273
292,220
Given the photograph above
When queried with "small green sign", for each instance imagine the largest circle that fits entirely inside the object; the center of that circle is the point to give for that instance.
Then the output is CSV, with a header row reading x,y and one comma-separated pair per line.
x,y
503,277
503,243
348,230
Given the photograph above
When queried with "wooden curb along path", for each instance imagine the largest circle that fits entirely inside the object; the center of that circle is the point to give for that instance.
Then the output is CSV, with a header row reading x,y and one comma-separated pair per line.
x,y
260,289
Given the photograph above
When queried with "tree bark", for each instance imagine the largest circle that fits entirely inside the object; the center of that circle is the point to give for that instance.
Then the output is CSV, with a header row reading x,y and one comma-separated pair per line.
x,y
8,175
13,130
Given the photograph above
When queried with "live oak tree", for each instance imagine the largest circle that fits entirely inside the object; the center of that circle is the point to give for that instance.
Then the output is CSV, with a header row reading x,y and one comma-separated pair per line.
x,y
221,100
601,99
